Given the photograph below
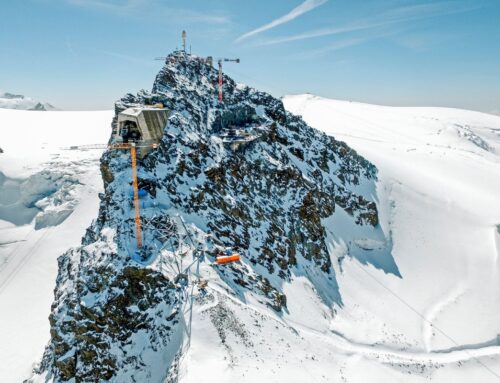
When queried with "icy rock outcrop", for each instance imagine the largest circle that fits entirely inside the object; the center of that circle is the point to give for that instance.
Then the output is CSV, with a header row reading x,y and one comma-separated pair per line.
x,y
114,318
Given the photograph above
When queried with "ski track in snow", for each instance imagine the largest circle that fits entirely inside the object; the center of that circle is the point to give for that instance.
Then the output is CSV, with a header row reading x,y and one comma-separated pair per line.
x,y
342,346
432,314
369,350
22,256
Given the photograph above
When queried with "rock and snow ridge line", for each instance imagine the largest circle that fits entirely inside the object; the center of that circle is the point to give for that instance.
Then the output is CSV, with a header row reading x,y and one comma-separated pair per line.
x,y
265,200
405,207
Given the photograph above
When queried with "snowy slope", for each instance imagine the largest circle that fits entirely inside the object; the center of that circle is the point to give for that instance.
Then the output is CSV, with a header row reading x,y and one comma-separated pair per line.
x,y
435,317
438,187
439,182
48,196
426,310
17,101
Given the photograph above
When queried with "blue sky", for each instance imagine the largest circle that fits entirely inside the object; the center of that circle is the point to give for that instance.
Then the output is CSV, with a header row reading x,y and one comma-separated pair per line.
x,y
85,54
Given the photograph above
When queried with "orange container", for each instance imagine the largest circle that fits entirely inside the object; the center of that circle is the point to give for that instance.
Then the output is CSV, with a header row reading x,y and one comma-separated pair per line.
x,y
227,259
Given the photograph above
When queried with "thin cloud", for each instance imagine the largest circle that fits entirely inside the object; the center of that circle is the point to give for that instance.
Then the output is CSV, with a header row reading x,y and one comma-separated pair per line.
x,y
108,5
420,41
348,42
141,8
320,32
306,6
398,15
338,45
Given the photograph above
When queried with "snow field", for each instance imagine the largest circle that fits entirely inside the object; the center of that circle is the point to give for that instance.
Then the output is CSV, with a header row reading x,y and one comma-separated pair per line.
x,y
60,188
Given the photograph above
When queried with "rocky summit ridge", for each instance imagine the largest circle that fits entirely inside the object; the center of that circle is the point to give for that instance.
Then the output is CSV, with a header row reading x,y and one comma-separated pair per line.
x,y
244,175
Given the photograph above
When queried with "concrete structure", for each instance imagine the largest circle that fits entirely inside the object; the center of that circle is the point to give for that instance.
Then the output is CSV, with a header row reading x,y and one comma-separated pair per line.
x,y
237,138
144,124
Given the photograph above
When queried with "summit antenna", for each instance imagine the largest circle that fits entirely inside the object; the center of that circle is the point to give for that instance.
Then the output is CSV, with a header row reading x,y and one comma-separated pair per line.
x,y
184,35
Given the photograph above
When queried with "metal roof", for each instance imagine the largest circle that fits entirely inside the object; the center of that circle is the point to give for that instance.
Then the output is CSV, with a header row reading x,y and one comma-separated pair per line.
x,y
137,110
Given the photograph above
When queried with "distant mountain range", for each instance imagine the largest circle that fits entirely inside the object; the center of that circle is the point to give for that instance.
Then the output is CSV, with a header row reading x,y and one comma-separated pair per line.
x,y
18,101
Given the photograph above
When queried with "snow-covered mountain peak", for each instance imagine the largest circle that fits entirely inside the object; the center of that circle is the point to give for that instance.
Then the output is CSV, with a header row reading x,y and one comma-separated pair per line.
x,y
243,174
17,101
412,296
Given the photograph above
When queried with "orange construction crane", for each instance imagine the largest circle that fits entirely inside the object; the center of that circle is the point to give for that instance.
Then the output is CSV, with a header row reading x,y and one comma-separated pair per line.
x,y
133,156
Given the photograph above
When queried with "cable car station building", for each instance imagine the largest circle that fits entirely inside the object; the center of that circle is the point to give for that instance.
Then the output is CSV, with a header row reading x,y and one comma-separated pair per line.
x,y
144,124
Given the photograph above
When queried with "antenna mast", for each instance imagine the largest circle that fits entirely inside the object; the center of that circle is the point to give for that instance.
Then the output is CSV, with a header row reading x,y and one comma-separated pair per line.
x,y
184,35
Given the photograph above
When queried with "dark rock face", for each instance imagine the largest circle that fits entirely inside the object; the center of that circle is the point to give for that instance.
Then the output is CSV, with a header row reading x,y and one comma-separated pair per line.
x,y
101,311
265,198
39,106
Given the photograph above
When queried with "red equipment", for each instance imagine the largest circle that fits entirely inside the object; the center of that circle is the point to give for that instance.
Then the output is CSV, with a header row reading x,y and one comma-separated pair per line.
x,y
220,73
222,259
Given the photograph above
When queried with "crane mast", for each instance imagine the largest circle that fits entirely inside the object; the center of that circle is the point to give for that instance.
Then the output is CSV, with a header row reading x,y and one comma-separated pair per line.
x,y
220,73
133,157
